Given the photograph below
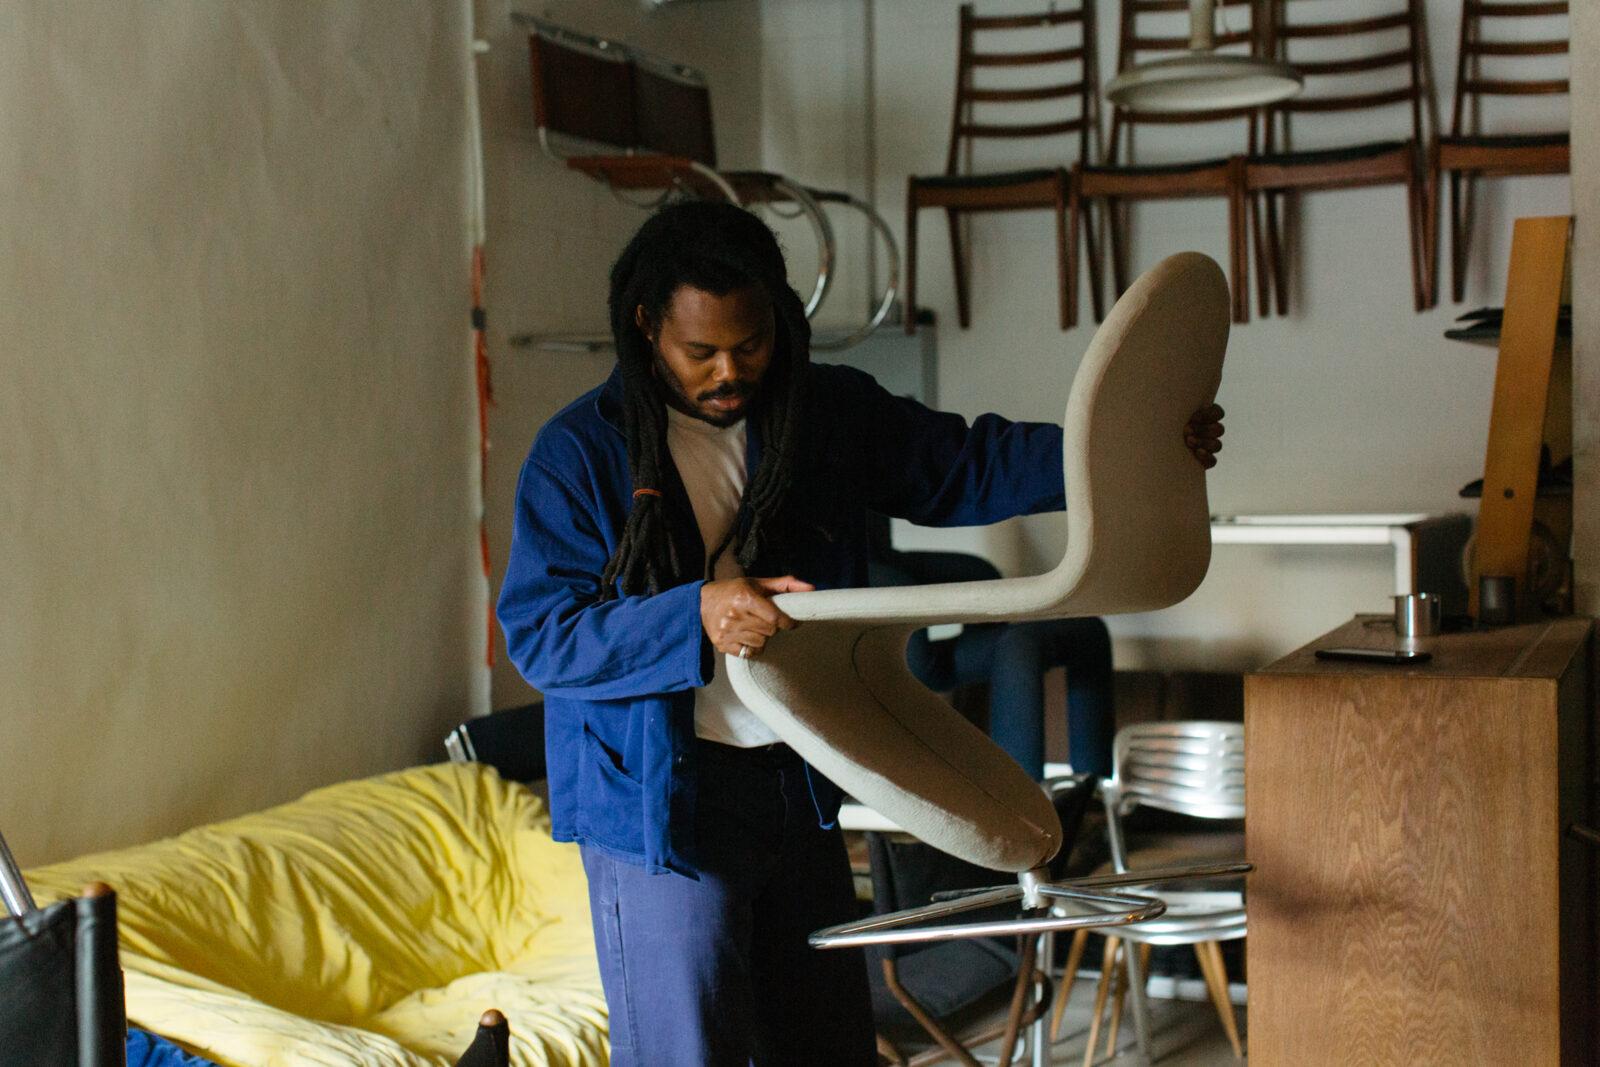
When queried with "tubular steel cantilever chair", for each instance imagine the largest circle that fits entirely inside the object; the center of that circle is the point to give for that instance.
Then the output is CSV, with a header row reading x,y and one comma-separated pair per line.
x,y
1281,170
644,123
838,689
62,986
1194,769
959,191
1150,29
1466,152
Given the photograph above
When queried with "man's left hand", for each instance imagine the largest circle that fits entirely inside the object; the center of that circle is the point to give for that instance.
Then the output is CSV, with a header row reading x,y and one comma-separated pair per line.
x,y
1203,435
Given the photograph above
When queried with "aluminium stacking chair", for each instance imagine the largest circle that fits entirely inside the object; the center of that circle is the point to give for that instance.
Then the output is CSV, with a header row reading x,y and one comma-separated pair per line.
x,y
1189,768
837,689
1062,44
1467,152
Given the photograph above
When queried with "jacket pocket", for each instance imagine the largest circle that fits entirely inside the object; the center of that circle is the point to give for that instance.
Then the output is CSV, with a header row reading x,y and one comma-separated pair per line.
x,y
611,806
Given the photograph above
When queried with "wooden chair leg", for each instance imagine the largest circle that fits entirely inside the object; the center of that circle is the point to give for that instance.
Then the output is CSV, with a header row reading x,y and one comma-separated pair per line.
x,y
1263,251
1066,257
1117,223
1069,974
908,294
1209,953
1107,966
1278,252
958,260
1414,215
1460,229
1238,253
1091,249
1119,994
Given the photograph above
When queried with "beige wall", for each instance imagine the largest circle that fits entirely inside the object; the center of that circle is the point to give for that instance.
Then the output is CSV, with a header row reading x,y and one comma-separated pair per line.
x,y
554,233
236,432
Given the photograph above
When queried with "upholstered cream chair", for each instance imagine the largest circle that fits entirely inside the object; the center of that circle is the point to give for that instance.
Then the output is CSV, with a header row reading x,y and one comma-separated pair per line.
x,y
837,688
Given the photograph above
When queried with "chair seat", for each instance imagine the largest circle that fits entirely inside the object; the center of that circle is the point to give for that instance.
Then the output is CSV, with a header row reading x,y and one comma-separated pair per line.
x,y
1206,177
1156,168
1508,140
1377,163
1319,156
988,181
961,983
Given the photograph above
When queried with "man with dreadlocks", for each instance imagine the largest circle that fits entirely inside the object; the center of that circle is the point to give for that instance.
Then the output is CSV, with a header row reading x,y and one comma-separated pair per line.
x,y
656,518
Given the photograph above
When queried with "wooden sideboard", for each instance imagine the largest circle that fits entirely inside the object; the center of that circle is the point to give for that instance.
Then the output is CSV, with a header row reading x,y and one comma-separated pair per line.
x,y
1417,897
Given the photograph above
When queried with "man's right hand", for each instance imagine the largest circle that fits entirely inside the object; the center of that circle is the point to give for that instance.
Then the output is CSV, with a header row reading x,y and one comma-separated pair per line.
x,y
738,613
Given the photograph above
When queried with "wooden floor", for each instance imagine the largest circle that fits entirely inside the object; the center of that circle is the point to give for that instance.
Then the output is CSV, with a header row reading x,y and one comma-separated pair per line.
x,y
1187,1034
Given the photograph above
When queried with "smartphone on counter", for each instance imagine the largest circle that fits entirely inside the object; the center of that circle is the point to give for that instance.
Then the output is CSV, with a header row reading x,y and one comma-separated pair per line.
x,y
1396,656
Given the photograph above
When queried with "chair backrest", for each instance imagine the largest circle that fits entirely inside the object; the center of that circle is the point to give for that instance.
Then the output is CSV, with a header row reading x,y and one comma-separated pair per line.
x,y
583,87
1496,47
1063,99
510,740
672,110
1341,59
63,997
1150,30
1191,768
616,98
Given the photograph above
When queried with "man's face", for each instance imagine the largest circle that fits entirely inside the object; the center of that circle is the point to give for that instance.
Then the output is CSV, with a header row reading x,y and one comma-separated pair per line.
x,y
711,352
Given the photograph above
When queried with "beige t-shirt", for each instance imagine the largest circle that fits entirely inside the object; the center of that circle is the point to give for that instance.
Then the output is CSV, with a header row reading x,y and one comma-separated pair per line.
x,y
711,461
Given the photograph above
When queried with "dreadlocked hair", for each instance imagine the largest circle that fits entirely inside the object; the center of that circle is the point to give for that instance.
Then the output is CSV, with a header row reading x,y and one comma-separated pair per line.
x,y
717,248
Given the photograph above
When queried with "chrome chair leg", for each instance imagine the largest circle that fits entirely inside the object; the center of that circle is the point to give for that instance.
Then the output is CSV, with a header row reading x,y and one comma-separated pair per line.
x,y
1141,1003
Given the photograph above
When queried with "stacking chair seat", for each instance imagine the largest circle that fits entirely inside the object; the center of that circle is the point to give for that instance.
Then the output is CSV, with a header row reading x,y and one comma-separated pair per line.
x,y
1165,179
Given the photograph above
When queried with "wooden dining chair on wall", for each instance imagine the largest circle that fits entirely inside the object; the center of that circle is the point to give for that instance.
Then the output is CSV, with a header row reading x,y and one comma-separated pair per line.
x,y
1384,50
1061,102
1485,62
1149,30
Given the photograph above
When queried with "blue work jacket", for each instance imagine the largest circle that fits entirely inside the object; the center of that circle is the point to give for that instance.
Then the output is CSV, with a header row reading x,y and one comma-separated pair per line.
x,y
619,677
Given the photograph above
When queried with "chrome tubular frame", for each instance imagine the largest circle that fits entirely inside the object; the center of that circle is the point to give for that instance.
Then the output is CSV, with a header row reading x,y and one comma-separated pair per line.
x,y
1034,897
19,901
891,291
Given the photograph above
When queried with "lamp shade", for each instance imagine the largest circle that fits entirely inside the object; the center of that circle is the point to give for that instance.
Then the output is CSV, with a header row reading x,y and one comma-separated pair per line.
x,y
1203,81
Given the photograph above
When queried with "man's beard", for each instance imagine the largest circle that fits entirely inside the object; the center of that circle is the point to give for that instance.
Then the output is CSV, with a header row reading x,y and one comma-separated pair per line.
x,y
668,383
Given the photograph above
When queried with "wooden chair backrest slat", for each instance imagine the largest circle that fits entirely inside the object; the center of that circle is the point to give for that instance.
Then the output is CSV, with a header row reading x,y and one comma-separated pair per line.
x,y
1471,83
1022,59
1365,55
1069,41
1023,129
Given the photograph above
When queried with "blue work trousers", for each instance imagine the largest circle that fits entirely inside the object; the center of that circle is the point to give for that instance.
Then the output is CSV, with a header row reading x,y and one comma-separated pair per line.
x,y
716,972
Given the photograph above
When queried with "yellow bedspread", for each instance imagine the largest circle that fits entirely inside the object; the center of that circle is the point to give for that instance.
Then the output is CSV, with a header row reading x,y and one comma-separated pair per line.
x,y
366,923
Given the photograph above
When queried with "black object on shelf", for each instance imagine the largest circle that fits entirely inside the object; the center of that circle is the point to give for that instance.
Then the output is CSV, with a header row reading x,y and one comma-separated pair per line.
x,y
1483,325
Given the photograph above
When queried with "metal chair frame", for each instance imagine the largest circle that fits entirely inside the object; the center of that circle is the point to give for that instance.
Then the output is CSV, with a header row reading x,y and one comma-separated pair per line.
x,y
1466,153
666,143
1192,768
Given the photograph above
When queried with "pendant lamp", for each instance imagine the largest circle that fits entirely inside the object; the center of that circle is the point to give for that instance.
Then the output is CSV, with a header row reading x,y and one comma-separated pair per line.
x,y
1202,80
